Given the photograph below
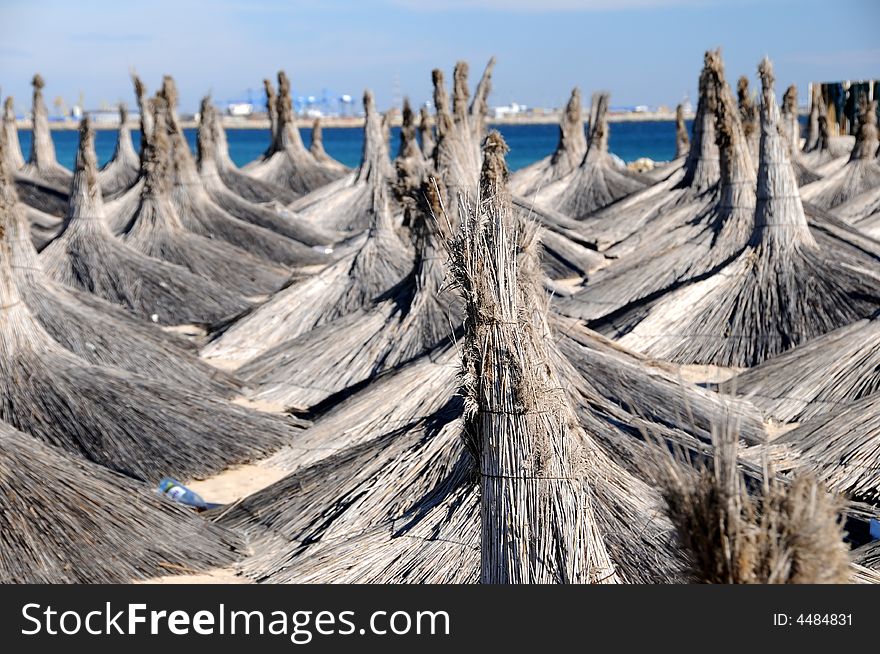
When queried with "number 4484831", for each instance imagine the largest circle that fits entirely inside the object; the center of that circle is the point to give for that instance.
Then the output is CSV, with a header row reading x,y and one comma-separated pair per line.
x,y
825,619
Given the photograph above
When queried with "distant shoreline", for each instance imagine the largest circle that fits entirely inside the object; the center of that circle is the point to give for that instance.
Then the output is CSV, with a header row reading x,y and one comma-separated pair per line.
x,y
230,122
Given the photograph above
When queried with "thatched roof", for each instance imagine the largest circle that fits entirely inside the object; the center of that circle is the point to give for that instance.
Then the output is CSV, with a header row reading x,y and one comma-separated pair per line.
x,y
860,175
87,256
287,163
201,215
748,115
99,332
410,319
65,520
783,290
598,181
348,284
818,377
138,426
157,230
840,448
821,152
346,204
791,128
682,141
693,233
277,220
121,172
780,534
14,157
569,153
42,164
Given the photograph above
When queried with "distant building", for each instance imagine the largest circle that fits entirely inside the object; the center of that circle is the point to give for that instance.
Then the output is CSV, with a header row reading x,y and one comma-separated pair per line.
x,y
512,109
240,108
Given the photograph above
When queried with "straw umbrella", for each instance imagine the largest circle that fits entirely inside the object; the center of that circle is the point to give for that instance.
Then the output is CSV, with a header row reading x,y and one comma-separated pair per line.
x,y
410,319
346,203
157,231
287,163
861,173
781,534
141,427
352,282
817,377
42,164
682,149
689,237
783,290
570,151
65,520
821,152
316,148
748,115
791,127
86,256
840,448
680,196
277,220
598,181
14,157
121,172
201,215
426,133
99,332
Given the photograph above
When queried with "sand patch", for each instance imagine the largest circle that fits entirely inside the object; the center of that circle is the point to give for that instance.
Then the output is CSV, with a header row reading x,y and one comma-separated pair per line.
x,y
237,482
217,576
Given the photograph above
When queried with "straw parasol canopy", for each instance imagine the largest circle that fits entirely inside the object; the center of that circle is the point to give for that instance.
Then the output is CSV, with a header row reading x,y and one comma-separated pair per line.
x,y
42,164
861,173
138,426
693,234
817,377
14,157
316,148
352,282
598,181
840,448
272,218
821,152
426,133
65,520
99,332
780,534
122,171
200,214
410,319
287,163
783,290
87,256
346,203
680,196
157,230
748,115
569,153
791,128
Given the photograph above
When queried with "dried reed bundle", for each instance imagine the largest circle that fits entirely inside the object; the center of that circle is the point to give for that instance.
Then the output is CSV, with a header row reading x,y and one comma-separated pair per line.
x,y
818,377
65,520
346,204
686,239
569,154
348,284
426,133
861,173
122,171
783,290
682,141
783,534
821,152
201,215
598,181
287,163
134,425
748,115
86,256
157,231
14,157
42,164
280,221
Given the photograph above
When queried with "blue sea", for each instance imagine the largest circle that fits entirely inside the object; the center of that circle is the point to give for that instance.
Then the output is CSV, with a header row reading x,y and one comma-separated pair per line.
x,y
528,143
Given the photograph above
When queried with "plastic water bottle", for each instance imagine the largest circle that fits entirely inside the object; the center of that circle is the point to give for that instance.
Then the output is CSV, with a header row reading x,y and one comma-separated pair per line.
x,y
875,528
176,491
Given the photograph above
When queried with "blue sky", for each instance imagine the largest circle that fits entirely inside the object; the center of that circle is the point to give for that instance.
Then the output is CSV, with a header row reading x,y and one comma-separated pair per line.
x,y
642,51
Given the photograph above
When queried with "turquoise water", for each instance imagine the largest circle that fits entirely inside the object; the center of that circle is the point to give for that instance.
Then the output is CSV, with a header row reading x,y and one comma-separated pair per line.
x,y
528,143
